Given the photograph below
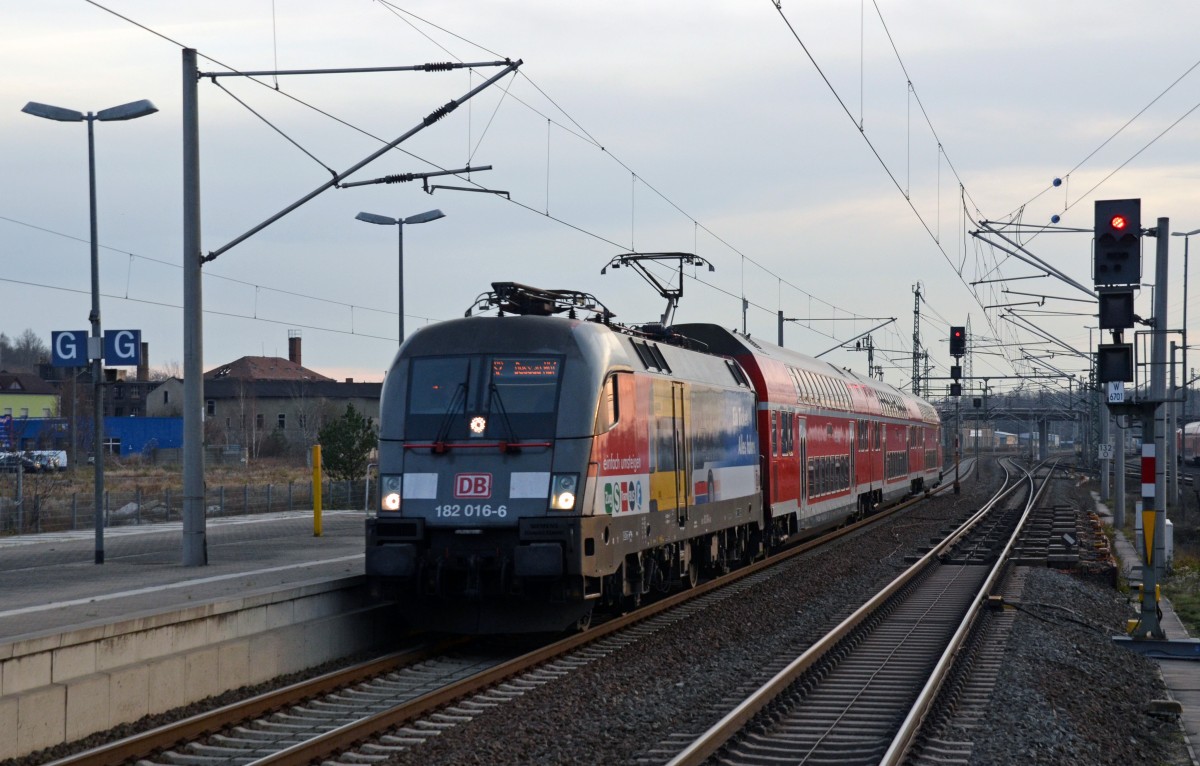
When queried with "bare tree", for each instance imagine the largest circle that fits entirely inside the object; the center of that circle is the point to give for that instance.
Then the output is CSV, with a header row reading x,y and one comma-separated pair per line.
x,y
171,369
24,353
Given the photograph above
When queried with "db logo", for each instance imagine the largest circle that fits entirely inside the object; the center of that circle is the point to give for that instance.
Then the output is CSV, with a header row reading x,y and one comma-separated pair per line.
x,y
473,485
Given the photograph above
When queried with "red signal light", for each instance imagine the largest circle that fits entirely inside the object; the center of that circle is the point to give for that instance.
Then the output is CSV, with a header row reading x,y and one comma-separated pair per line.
x,y
1118,222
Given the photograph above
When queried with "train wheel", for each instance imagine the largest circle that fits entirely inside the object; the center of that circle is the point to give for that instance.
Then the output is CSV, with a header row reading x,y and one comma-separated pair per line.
x,y
691,575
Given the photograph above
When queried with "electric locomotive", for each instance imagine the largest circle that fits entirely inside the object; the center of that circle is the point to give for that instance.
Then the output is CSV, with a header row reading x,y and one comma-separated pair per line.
x,y
534,466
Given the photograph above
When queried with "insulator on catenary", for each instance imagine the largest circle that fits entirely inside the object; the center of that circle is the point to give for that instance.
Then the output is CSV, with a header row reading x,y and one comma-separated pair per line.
x,y
440,112
439,66
399,179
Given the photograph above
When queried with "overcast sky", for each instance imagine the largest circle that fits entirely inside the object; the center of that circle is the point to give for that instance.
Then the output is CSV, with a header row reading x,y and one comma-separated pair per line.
x,y
669,126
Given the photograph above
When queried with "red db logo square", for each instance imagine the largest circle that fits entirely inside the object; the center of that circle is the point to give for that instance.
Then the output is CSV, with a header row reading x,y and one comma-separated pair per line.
x,y
470,485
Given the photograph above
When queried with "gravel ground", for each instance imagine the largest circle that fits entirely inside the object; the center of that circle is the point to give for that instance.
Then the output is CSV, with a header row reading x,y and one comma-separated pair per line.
x,y
1068,696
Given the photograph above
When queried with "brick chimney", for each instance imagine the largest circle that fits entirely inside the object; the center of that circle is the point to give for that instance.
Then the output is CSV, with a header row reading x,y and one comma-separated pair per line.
x,y
294,346
143,370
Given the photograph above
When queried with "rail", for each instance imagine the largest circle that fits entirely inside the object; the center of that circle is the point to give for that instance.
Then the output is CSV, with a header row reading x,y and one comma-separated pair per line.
x,y
911,725
346,735
708,743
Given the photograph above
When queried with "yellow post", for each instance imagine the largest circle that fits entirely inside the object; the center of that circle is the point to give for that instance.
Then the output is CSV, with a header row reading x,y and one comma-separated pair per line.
x,y
316,463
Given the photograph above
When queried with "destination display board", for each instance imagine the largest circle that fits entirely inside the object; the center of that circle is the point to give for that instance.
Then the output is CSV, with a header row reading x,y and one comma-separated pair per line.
x,y
511,369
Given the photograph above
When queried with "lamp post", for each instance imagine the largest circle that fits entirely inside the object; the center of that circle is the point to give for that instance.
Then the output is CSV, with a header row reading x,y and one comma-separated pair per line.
x,y
1186,237
399,223
129,111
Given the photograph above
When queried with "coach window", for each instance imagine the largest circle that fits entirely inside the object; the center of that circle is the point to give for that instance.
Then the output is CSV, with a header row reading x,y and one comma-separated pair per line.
x,y
608,411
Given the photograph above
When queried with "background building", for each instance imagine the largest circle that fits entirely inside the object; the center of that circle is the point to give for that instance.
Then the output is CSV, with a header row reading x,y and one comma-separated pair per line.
x,y
264,405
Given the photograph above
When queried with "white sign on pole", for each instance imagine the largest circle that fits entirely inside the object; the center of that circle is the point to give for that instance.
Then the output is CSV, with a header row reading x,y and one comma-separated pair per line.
x,y
1116,392
1106,451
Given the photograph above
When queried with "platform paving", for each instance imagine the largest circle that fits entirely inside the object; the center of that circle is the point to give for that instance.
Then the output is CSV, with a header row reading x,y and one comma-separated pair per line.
x,y
50,582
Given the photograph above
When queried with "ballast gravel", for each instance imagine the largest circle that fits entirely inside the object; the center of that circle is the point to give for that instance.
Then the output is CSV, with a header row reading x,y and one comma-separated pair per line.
x,y
1067,695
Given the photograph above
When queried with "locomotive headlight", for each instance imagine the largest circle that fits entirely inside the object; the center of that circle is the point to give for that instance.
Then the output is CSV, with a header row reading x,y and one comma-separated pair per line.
x,y
562,491
389,492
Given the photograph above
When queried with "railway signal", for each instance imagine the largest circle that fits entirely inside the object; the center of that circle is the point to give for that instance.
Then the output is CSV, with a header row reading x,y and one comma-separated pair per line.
x,y
1118,255
1116,272
958,341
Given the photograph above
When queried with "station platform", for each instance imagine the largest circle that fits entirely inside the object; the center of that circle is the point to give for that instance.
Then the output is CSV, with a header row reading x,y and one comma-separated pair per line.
x,y
1181,676
50,582
85,647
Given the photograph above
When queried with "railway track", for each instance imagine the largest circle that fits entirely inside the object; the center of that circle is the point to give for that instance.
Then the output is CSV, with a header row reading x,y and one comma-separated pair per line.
x,y
860,694
399,701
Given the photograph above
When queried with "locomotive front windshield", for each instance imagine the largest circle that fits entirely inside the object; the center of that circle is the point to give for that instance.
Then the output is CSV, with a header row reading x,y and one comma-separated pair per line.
x,y
510,398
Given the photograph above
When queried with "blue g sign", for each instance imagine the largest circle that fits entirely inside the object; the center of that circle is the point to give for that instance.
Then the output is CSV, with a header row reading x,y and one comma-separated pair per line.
x,y
123,347
68,348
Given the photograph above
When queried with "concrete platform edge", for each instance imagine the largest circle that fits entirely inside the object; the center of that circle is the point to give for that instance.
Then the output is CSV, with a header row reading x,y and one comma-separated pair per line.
x,y
59,687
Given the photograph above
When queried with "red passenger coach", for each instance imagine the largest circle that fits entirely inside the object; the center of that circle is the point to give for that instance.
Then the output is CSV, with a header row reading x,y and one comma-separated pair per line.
x,y
1188,439
834,445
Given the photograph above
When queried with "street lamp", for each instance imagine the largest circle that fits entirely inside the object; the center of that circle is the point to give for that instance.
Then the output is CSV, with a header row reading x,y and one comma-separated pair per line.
x,y
1186,237
383,220
129,111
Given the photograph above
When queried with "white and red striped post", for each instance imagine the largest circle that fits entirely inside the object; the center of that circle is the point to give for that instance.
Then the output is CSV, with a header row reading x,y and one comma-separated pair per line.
x,y
1148,511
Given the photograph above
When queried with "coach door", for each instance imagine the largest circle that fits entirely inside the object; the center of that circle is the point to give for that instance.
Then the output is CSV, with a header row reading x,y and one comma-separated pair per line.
x,y
682,459
802,451
852,451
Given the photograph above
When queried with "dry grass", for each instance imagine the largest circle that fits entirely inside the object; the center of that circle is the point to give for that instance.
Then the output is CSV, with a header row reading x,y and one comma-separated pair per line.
x,y
156,479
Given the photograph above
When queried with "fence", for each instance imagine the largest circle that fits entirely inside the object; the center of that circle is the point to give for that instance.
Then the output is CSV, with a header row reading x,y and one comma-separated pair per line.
x,y
31,507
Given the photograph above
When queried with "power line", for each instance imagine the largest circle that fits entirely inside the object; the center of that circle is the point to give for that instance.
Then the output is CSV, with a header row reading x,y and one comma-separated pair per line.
x,y
214,312
576,130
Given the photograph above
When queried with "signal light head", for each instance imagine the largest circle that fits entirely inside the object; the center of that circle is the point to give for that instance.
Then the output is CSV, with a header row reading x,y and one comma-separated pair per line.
x,y
1118,222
